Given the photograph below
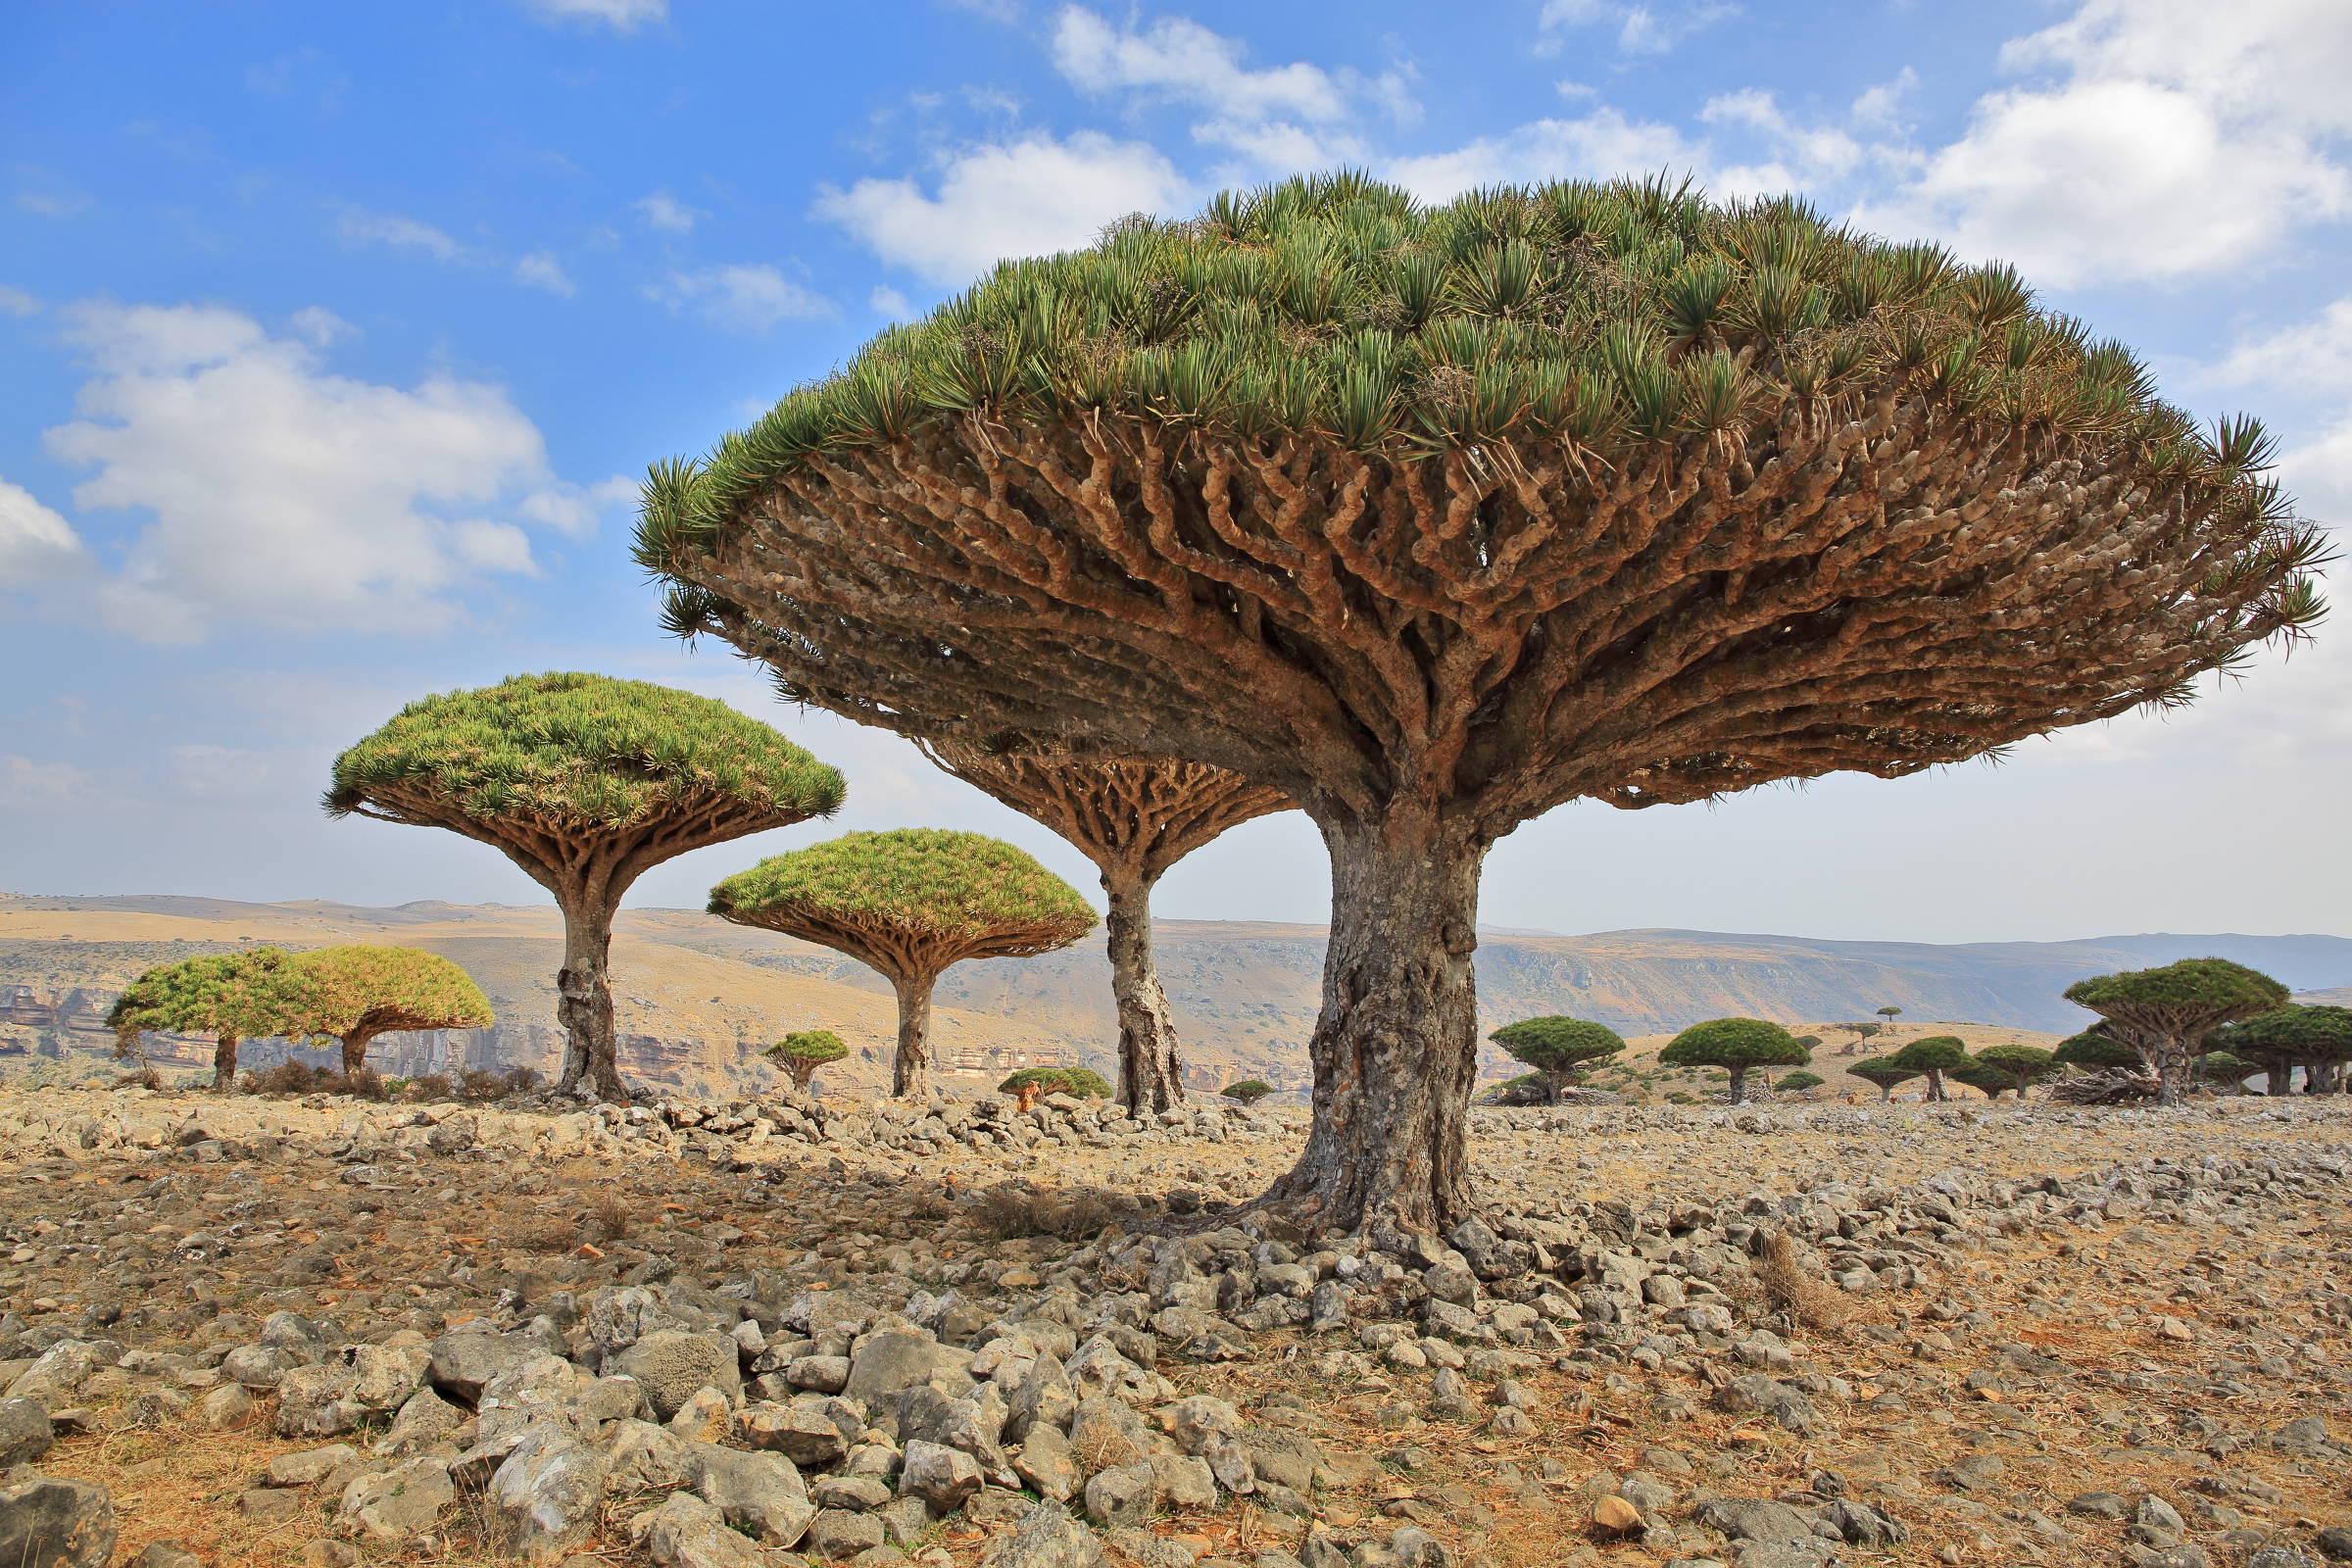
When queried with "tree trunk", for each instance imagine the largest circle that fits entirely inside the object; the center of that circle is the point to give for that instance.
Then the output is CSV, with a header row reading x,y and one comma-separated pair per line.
x,y
1934,1086
1396,1048
1150,1072
354,1050
2279,1078
224,1061
1886,1094
1553,1083
804,1072
584,1002
2175,1062
1739,1085
910,1070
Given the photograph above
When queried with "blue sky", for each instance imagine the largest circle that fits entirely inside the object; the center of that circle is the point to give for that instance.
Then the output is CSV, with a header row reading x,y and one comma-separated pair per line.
x,y
336,335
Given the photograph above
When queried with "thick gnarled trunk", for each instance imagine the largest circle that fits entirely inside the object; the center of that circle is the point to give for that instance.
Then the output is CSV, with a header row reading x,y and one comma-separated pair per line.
x,y
354,1050
584,1003
224,1061
1149,1070
1396,1048
910,1068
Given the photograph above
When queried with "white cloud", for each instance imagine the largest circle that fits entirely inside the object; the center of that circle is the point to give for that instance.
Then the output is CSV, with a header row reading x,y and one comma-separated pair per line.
x,y
26,783
36,545
621,15
2169,139
1028,198
667,212
747,297
282,494
2312,357
1282,118
1599,145
1642,28
390,229
541,269
888,301
492,546
216,771
576,508
16,302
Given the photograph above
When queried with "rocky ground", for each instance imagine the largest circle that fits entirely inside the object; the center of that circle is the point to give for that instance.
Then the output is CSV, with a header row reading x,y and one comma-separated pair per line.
x,y
243,1331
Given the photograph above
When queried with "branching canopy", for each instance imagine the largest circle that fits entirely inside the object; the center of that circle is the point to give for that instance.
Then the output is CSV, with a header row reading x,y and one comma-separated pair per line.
x,y
1558,1045
2094,1051
1933,1054
1575,490
1883,1071
2293,1033
1735,1043
911,902
2179,1001
252,995
556,770
362,990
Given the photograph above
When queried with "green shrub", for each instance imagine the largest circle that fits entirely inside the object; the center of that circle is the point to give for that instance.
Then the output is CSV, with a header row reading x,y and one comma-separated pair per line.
x,y
1080,1081
803,1052
1797,1082
1250,1090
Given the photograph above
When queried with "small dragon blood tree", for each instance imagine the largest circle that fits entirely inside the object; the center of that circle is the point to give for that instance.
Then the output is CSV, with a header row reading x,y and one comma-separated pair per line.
x,y
1134,818
1433,519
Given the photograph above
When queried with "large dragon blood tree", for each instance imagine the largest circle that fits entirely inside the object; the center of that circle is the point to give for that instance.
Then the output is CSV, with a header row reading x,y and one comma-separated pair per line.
x,y
1435,518
1134,817
586,783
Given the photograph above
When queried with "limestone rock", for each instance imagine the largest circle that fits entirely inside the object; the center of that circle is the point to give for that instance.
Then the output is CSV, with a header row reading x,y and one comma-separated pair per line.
x,y
46,1523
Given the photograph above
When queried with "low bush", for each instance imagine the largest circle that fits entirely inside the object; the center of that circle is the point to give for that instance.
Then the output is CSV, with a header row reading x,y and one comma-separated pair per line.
x,y
1080,1081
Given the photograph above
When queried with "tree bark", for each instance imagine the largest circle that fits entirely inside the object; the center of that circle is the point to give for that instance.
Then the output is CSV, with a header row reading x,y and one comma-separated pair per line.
x,y
910,1070
2279,1078
2173,1060
1935,1086
1149,1071
584,1002
1739,1085
1395,1051
354,1050
224,1061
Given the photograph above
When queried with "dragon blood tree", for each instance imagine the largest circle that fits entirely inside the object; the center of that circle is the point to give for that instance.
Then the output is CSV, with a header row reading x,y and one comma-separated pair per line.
x,y
586,783
1882,1074
2316,1038
361,992
908,904
2164,1013
1134,818
233,997
1559,1048
1436,518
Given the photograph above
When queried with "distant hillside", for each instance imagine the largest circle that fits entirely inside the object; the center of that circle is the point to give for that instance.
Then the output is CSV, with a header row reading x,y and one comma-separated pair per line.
x,y
697,996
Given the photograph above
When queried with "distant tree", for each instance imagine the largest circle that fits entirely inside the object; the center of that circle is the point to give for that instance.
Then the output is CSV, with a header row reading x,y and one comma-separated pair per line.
x,y
1250,1090
1882,1072
361,992
2314,1038
2094,1052
2220,1067
1134,817
1797,1083
1081,1082
2164,1013
1990,1082
802,1052
1560,1048
233,997
1934,1055
1738,1046
586,783
2021,1064
1860,1032
910,903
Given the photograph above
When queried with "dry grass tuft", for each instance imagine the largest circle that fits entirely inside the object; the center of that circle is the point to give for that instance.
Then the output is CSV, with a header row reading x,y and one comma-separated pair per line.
x,y
1009,1210
1797,1290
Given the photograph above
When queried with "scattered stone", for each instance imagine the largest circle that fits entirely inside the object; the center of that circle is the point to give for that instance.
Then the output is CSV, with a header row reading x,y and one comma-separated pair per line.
x,y
48,1523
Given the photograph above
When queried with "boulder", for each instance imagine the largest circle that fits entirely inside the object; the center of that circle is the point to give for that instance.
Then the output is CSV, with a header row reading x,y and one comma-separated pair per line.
x,y
837,1533
1124,1494
1047,1538
395,1506
25,1433
686,1532
672,1364
897,1359
943,1476
46,1523
544,1497
463,1361
759,1494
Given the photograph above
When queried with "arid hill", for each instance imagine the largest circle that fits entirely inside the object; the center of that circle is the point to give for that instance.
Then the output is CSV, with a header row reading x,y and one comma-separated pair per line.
x,y
697,996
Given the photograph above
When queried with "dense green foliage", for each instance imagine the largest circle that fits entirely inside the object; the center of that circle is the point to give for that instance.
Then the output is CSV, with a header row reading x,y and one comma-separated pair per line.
x,y
1991,1082
2215,988
929,881
1079,1081
1250,1090
2300,1032
1883,1072
2020,1065
1559,1048
581,750
252,995
1604,317
359,992
803,1051
1736,1046
2220,1067
1798,1082
2094,1052
1934,1055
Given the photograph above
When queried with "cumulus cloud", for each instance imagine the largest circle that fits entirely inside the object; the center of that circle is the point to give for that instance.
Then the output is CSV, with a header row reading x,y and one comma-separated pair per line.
x,y
16,302
541,269
395,232
665,212
621,15
748,297
36,545
1596,145
279,492
576,510
2160,140
25,784
1641,29
1281,116
1026,198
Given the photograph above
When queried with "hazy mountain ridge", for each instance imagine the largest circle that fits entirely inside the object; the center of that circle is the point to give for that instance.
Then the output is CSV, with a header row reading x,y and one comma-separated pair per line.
x,y
698,995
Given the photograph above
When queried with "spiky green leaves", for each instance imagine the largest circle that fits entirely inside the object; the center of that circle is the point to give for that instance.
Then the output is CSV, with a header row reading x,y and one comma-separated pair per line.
x,y
1735,1043
241,995
2294,1033
576,753
1932,1053
381,990
1884,1072
1080,1081
2184,997
1558,1045
2094,1052
909,900
812,1045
